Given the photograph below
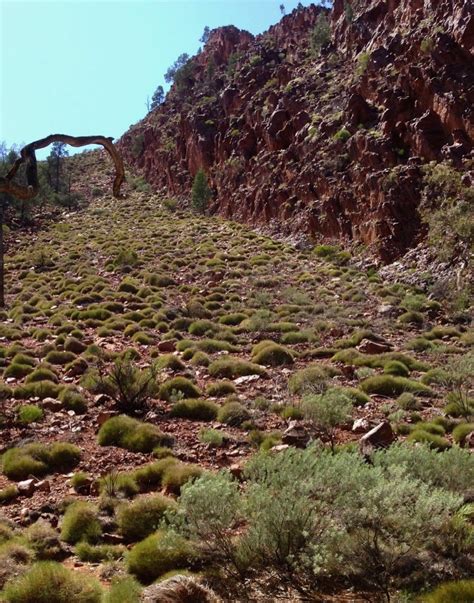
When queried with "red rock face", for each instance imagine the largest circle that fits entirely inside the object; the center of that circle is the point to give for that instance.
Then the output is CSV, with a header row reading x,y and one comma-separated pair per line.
x,y
328,144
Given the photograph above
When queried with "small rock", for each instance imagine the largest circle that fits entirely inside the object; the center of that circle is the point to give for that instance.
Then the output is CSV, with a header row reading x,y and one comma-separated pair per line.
x,y
280,447
296,435
168,345
373,347
101,399
236,470
104,416
43,486
26,487
469,440
52,404
381,436
246,379
360,425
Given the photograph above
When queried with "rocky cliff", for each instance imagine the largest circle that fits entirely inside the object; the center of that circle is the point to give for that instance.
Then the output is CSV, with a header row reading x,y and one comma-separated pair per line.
x,y
320,136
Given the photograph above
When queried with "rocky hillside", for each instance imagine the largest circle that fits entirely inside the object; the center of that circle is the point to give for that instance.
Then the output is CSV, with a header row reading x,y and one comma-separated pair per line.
x,y
324,138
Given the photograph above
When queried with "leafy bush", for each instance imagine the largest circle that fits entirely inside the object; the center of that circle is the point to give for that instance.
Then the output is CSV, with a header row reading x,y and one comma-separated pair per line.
x,y
132,434
436,442
50,582
328,410
80,522
212,437
142,517
201,193
123,590
220,388
311,379
196,410
98,553
158,554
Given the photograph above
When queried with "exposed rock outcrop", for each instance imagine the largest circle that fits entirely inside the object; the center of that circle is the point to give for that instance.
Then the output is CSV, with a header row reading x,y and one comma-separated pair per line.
x,y
329,144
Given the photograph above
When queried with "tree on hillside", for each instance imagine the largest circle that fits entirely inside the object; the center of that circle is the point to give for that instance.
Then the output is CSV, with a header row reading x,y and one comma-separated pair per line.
x,y
158,98
321,33
201,193
282,9
205,35
180,62
57,176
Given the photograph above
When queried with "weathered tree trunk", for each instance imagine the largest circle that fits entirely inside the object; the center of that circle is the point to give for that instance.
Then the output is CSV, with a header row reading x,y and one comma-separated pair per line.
x,y
27,156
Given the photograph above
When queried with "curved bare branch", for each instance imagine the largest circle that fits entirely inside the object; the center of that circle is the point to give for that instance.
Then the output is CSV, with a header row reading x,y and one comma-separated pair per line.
x,y
28,156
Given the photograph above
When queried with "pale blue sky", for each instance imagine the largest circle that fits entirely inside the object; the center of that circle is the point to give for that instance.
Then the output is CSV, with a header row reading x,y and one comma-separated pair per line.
x,y
80,67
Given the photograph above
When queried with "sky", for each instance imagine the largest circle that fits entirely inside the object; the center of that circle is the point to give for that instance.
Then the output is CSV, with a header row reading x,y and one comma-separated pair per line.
x,y
84,68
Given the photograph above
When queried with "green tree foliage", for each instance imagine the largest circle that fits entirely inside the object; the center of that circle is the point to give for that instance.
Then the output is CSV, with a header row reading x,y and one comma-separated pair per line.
x,y
158,98
201,193
57,171
205,35
321,33
180,71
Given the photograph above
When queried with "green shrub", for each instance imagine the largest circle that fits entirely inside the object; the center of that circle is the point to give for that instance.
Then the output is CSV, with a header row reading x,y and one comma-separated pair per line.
x,y
176,386
41,389
220,389
123,590
233,414
387,385
342,135
460,432
327,411
201,193
29,413
272,354
57,357
201,327
231,368
408,401
232,319
80,480
170,362
41,374
80,522
74,345
98,553
17,371
461,591
73,400
311,379
196,410
436,442
212,437
394,367
150,476
51,582
8,494
142,517
200,359
39,459
158,554
128,385
131,434
43,539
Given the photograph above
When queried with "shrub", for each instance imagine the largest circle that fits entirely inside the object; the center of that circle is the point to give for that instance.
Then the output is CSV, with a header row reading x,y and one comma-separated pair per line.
x,y
434,441
230,368
233,414
123,590
170,362
41,374
150,476
29,413
39,459
128,385
17,371
80,480
131,434
387,385
73,400
220,389
321,33
57,357
177,474
158,554
272,354
394,367
177,386
311,379
407,401
98,553
461,591
74,345
118,484
51,582
328,410
342,135
197,410
80,522
43,540
460,432
143,516
41,389
8,494
212,437
201,193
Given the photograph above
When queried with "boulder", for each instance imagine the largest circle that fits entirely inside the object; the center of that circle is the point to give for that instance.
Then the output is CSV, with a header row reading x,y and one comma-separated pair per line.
x,y
381,436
